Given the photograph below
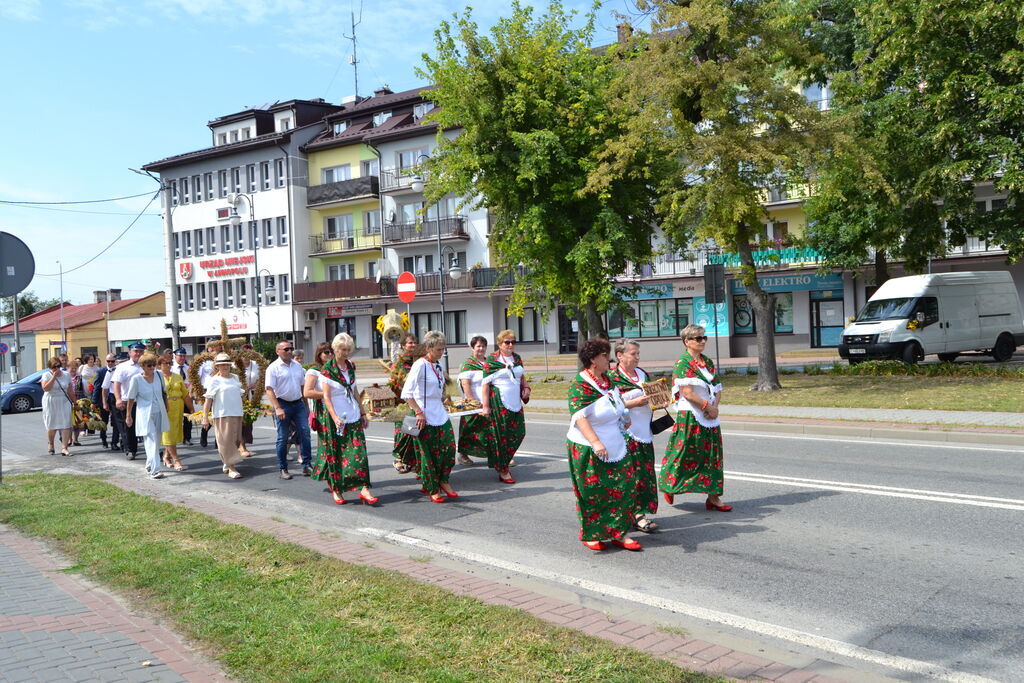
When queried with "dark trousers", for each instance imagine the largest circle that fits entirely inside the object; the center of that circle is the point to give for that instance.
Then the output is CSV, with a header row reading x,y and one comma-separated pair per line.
x,y
186,426
105,416
115,429
204,436
296,418
129,442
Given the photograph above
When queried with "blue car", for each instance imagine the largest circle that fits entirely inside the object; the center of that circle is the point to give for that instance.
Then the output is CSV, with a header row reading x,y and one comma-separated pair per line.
x,y
23,395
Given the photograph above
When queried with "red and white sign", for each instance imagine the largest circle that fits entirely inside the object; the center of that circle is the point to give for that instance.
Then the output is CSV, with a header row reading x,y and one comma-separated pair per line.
x,y
406,287
185,269
216,267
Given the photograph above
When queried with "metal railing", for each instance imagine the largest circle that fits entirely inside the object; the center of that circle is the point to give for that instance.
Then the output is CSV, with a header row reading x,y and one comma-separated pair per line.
x,y
304,292
323,244
392,179
452,226
343,190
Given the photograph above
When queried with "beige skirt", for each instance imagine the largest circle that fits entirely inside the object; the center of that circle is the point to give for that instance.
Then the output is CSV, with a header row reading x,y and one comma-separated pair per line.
x,y
229,437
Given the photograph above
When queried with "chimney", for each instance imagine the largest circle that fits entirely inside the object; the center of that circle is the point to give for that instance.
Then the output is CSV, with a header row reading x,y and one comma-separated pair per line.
x,y
383,90
623,32
115,295
99,295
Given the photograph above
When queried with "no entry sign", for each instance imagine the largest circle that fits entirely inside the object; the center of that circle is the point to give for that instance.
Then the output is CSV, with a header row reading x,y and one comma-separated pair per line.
x,y
406,287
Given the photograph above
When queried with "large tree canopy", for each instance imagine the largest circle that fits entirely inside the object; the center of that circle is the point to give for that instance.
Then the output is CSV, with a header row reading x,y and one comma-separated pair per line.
x,y
28,303
714,85
531,100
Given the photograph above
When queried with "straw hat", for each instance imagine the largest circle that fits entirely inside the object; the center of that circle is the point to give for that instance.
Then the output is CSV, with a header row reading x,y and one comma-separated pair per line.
x,y
222,359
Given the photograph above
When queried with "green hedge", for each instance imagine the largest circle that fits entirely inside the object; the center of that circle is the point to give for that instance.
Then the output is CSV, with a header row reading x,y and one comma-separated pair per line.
x,y
883,368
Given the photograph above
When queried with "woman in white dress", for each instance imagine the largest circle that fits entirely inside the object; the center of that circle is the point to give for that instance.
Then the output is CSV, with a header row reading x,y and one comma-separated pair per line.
x,y
58,395
223,406
146,393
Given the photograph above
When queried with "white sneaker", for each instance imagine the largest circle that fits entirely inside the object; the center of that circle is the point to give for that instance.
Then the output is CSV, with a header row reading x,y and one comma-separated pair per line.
x,y
157,475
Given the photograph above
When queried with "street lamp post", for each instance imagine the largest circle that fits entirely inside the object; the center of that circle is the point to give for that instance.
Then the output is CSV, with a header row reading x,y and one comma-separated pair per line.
x,y
236,220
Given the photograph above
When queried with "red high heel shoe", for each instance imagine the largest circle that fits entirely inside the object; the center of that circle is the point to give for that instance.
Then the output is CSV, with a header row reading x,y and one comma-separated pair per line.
x,y
594,545
437,498
668,497
628,544
721,508
506,477
367,498
338,500
450,492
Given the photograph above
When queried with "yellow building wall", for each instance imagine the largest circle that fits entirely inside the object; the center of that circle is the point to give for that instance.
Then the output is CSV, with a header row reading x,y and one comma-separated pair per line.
x,y
94,334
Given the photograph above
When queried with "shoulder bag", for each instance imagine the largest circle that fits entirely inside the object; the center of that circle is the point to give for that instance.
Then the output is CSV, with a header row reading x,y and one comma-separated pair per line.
x,y
409,421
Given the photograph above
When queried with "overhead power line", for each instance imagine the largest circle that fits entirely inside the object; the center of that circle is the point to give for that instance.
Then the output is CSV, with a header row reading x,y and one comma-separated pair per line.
x,y
85,201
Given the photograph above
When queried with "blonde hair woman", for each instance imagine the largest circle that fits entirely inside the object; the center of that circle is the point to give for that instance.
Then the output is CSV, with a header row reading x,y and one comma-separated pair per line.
x,y
505,375
146,395
435,444
223,406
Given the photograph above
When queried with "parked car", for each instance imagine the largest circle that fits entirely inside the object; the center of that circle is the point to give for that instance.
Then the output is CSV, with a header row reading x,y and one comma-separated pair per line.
x,y
943,313
23,395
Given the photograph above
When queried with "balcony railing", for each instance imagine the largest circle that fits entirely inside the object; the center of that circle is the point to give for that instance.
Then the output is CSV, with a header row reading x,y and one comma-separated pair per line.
x,y
323,244
394,179
366,187
476,279
452,226
304,292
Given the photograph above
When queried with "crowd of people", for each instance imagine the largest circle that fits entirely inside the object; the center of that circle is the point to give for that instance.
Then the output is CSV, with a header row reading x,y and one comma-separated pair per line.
x,y
146,396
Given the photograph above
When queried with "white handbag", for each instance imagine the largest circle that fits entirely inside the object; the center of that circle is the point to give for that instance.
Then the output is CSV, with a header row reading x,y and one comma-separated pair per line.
x,y
409,426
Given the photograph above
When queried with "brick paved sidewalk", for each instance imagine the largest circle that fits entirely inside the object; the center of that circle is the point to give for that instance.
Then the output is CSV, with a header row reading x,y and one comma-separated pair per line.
x,y
55,626
690,653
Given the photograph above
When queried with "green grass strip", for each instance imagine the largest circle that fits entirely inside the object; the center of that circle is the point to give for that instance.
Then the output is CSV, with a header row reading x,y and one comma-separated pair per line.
x,y
269,610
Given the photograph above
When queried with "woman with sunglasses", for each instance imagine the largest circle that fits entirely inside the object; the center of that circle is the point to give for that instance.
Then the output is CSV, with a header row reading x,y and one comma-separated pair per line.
x,y
693,462
509,391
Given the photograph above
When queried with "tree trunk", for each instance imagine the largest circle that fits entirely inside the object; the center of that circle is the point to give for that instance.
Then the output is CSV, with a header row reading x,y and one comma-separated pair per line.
x,y
763,305
595,323
881,267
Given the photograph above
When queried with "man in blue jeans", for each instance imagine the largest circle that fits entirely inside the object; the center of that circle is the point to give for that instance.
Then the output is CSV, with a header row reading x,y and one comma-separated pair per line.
x,y
284,381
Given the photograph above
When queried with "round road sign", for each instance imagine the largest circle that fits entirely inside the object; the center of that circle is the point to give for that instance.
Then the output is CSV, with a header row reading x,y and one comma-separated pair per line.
x,y
17,265
406,286
3,348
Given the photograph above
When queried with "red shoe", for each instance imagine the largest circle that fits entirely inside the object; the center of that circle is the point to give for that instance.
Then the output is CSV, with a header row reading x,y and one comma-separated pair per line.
x,y
506,477
437,498
594,545
367,498
450,492
628,544
721,508
338,500
668,497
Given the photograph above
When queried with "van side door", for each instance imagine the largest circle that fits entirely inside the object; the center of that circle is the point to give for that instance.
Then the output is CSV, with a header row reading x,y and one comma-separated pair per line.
x,y
929,330
960,319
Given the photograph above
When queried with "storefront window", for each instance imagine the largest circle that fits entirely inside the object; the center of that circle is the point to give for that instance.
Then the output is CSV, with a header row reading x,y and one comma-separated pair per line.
x,y
743,314
650,318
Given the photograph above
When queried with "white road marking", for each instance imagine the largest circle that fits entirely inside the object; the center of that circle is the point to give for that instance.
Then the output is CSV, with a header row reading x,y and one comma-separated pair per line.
x,y
872,442
802,638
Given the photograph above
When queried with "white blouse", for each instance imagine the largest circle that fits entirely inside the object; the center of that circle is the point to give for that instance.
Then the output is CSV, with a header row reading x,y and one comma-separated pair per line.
x,y
476,382
604,416
640,416
704,391
226,393
509,382
425,384
346,403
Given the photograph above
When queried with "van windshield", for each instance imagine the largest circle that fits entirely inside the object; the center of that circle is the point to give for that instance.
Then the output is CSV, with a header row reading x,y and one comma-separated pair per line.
x,y
887,309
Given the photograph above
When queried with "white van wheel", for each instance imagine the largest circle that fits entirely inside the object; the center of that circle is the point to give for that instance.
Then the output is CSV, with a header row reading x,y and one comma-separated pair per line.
x,y
1004,348
912,353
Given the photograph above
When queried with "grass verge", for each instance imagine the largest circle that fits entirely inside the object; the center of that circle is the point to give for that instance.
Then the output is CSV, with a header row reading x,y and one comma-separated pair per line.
x,y
269,610
841,391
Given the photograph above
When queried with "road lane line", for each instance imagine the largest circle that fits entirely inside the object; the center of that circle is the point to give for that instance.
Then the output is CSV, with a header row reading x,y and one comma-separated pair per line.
x,y
867,440
802,638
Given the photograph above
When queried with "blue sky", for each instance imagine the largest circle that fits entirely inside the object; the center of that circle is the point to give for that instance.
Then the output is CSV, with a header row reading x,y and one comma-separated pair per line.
x,y
93,88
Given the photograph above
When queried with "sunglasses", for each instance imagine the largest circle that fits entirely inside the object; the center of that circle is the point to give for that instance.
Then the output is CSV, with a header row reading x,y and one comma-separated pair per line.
x,y
698,339
509,341
288,348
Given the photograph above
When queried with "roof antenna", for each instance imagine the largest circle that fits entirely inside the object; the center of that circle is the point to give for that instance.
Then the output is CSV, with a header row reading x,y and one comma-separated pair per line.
x,y
352,57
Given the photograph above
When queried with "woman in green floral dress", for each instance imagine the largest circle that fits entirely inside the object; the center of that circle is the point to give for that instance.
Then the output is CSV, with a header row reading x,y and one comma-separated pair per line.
x,y
630,378
505,375
435,444
404,451
477,432
603,476
341,450
693,462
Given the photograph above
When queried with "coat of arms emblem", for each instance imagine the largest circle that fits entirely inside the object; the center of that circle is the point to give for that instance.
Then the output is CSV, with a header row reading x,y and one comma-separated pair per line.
x,y
185,269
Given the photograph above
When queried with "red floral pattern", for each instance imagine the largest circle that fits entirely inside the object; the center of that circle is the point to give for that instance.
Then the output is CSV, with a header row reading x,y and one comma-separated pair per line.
x,y
436,449
604,491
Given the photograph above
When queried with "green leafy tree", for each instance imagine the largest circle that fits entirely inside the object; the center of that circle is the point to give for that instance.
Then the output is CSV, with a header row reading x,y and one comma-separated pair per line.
x,y
531,100
714,87
28,303
931,92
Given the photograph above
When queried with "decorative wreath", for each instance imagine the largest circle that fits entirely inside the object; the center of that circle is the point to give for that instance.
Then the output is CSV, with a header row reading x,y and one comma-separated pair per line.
x,y
240,359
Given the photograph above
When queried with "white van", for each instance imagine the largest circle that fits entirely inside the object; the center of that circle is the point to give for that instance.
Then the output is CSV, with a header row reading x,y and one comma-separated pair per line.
x,y
946,314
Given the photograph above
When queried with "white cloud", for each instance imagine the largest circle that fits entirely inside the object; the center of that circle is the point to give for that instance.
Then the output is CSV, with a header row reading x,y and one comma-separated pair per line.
x,y
20,10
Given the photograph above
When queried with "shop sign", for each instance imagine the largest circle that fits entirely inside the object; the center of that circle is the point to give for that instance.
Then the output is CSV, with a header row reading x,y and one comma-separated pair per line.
x,y
223,267
781,256
800,282
661,290
349,309
704,314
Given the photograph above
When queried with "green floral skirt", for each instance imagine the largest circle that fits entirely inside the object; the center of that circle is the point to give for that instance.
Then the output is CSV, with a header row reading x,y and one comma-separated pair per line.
x,y
341,461
476,437
436,449
404,450
646,480
605,498
693,461
509,430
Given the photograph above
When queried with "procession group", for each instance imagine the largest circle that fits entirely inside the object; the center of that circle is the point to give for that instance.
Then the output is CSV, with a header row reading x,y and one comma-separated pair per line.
x,y
147,397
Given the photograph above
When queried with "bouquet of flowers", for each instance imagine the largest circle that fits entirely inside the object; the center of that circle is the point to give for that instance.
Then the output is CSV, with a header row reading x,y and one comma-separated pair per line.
x,y
253,410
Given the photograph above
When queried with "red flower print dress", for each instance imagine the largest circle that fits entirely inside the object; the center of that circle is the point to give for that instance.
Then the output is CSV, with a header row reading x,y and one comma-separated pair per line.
x,y
693,461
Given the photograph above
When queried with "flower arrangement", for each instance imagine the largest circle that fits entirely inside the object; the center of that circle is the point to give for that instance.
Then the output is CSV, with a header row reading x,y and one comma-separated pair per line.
x,y
392,325
913,325
254,410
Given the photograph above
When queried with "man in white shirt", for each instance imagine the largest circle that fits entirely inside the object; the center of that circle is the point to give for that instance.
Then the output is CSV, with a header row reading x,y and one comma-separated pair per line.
x,y
284,380
180,367
119,381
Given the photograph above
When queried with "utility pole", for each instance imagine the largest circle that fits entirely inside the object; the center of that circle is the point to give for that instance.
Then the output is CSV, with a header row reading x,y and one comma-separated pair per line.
x,y
63,334
16,351
172,289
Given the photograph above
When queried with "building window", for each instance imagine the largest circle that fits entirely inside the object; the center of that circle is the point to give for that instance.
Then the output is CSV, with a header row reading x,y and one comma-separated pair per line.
x,y
246,133
528,328
200,251
234,136
236,179
257,292
265,179
371,222
370,167
239,238
222,177
819,94
208,185
371,269
336,174
197,189
282,230
270,289
177,245
177,289
174,193
252,237
201,296
279,171
456,325
420,110
283,288
341,271
411,158
268,232
286,124
339,127
229,299
337,227
211,241
242,295
743,314
225,238
222,139
250,177
183,184
187,250
190,297
214,295
380,117
336,326
650,318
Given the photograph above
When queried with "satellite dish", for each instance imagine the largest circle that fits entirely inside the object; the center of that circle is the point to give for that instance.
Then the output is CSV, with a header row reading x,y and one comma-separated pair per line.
x,y
305,273
378,276
17,265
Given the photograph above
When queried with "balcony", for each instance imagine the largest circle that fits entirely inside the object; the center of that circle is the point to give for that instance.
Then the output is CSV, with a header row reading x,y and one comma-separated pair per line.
x,y
396,179
322,245
409,233
473,280
356,189
305,292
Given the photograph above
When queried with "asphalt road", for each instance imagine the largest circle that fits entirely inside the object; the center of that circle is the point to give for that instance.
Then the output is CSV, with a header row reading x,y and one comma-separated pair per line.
x,y
899,559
